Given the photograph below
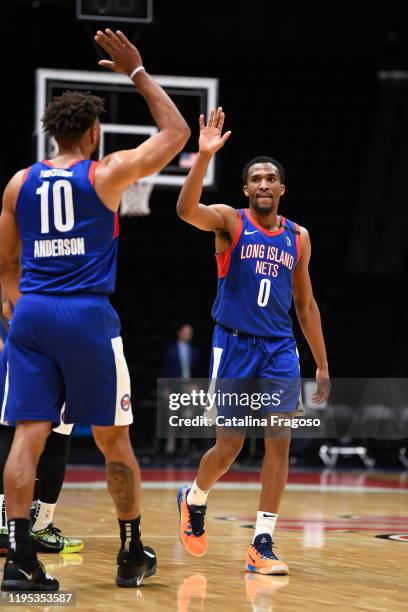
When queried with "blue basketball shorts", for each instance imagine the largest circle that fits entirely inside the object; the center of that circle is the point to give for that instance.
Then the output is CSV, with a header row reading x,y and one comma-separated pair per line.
x,y
62,428
262,374
66,348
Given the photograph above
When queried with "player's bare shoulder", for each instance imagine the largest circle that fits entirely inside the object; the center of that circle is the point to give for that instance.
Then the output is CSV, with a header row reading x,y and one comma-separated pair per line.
x,y
229,214
230,224
12,188
304,234
305,245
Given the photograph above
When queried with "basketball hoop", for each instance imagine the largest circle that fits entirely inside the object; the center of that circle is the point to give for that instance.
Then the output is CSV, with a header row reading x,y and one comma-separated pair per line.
x,y
135,199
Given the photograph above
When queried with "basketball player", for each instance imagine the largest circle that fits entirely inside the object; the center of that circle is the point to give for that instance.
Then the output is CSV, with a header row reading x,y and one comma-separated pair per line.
x,y
50,477
253,334
64,338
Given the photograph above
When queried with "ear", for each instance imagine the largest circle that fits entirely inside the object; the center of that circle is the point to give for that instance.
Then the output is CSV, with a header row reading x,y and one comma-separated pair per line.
x,y
245,190
94,132
283,188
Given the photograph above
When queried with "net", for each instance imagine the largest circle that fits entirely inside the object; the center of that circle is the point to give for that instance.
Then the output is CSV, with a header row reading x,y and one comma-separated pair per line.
x,y
135,200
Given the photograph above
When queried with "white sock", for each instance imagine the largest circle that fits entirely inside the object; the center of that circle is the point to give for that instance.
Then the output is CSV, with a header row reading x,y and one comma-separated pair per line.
x,y
3,517
43,515
196,496
265,523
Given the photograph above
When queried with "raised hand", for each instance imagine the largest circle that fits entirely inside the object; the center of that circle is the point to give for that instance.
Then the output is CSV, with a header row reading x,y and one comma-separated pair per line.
x,y
124,56
210,135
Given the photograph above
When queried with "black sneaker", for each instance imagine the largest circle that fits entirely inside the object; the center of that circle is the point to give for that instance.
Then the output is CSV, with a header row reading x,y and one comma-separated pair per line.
x,y
132,570
17,579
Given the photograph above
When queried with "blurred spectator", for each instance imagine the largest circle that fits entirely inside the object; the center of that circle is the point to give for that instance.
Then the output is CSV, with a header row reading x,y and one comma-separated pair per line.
x,y
181,361
182,358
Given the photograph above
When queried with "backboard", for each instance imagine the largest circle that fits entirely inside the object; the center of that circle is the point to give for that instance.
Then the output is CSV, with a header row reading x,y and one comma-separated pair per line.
x,y
127,121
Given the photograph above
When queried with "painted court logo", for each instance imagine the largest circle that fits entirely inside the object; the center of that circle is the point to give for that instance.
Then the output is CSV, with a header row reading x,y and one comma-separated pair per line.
x,y
399,537
343,523
125,402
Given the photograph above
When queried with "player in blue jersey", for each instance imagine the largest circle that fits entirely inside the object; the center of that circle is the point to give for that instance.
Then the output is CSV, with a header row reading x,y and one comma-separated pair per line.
x,y
60,216
262,259
50,472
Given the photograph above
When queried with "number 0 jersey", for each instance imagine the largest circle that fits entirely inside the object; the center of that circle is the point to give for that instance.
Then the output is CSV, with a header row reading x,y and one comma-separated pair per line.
x,y
69,238
255,279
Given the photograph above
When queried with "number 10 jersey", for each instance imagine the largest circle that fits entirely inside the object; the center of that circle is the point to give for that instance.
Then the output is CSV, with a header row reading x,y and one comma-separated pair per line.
x,y
255,279
68,236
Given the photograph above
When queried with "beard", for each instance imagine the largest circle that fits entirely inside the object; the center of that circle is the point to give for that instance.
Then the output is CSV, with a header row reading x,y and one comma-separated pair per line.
x,y
263,209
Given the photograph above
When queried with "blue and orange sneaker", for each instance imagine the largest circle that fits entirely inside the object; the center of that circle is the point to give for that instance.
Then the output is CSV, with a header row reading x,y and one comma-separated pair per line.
x,y
191,524
262,560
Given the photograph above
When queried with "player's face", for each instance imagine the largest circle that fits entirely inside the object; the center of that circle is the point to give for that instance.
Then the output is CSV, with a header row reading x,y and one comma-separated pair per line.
x,y
96,140
264,187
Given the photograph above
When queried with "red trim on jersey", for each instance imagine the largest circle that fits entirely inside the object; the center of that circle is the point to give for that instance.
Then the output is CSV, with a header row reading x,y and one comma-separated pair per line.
x,y
91,172
262,229
116,226
26,171
48,163
297,240
224,258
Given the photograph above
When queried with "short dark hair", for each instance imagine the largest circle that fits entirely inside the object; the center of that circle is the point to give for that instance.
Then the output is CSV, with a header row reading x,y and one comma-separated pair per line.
x,y
262,159
68,116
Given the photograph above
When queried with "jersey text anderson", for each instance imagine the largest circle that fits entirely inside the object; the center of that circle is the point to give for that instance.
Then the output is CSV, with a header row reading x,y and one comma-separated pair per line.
x,y
59,247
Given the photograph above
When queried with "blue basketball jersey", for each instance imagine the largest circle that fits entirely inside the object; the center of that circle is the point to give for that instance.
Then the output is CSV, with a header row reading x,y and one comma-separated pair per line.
x,y
69,238
255,279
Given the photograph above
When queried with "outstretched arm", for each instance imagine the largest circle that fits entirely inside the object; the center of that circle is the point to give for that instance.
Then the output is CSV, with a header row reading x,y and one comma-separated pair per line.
x,y
10,247
189,208
118,170
309,318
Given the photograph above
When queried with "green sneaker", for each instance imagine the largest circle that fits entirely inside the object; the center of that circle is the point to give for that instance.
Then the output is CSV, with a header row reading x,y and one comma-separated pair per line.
x,y
50,540
4,542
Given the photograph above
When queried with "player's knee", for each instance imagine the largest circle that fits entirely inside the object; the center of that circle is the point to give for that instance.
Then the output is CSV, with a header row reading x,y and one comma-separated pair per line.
x,y
277,447
30,438
228,449
111,440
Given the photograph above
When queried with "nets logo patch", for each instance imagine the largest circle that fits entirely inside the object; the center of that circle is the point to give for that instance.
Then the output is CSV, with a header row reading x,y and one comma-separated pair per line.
x,y
400,537
125,402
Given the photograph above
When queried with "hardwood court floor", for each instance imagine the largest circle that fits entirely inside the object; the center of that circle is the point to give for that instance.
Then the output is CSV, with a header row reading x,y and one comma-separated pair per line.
x,y
327,538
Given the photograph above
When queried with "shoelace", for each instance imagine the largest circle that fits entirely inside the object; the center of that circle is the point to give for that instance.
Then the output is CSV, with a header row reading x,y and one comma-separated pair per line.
x,y
52,530
197,519
266,551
